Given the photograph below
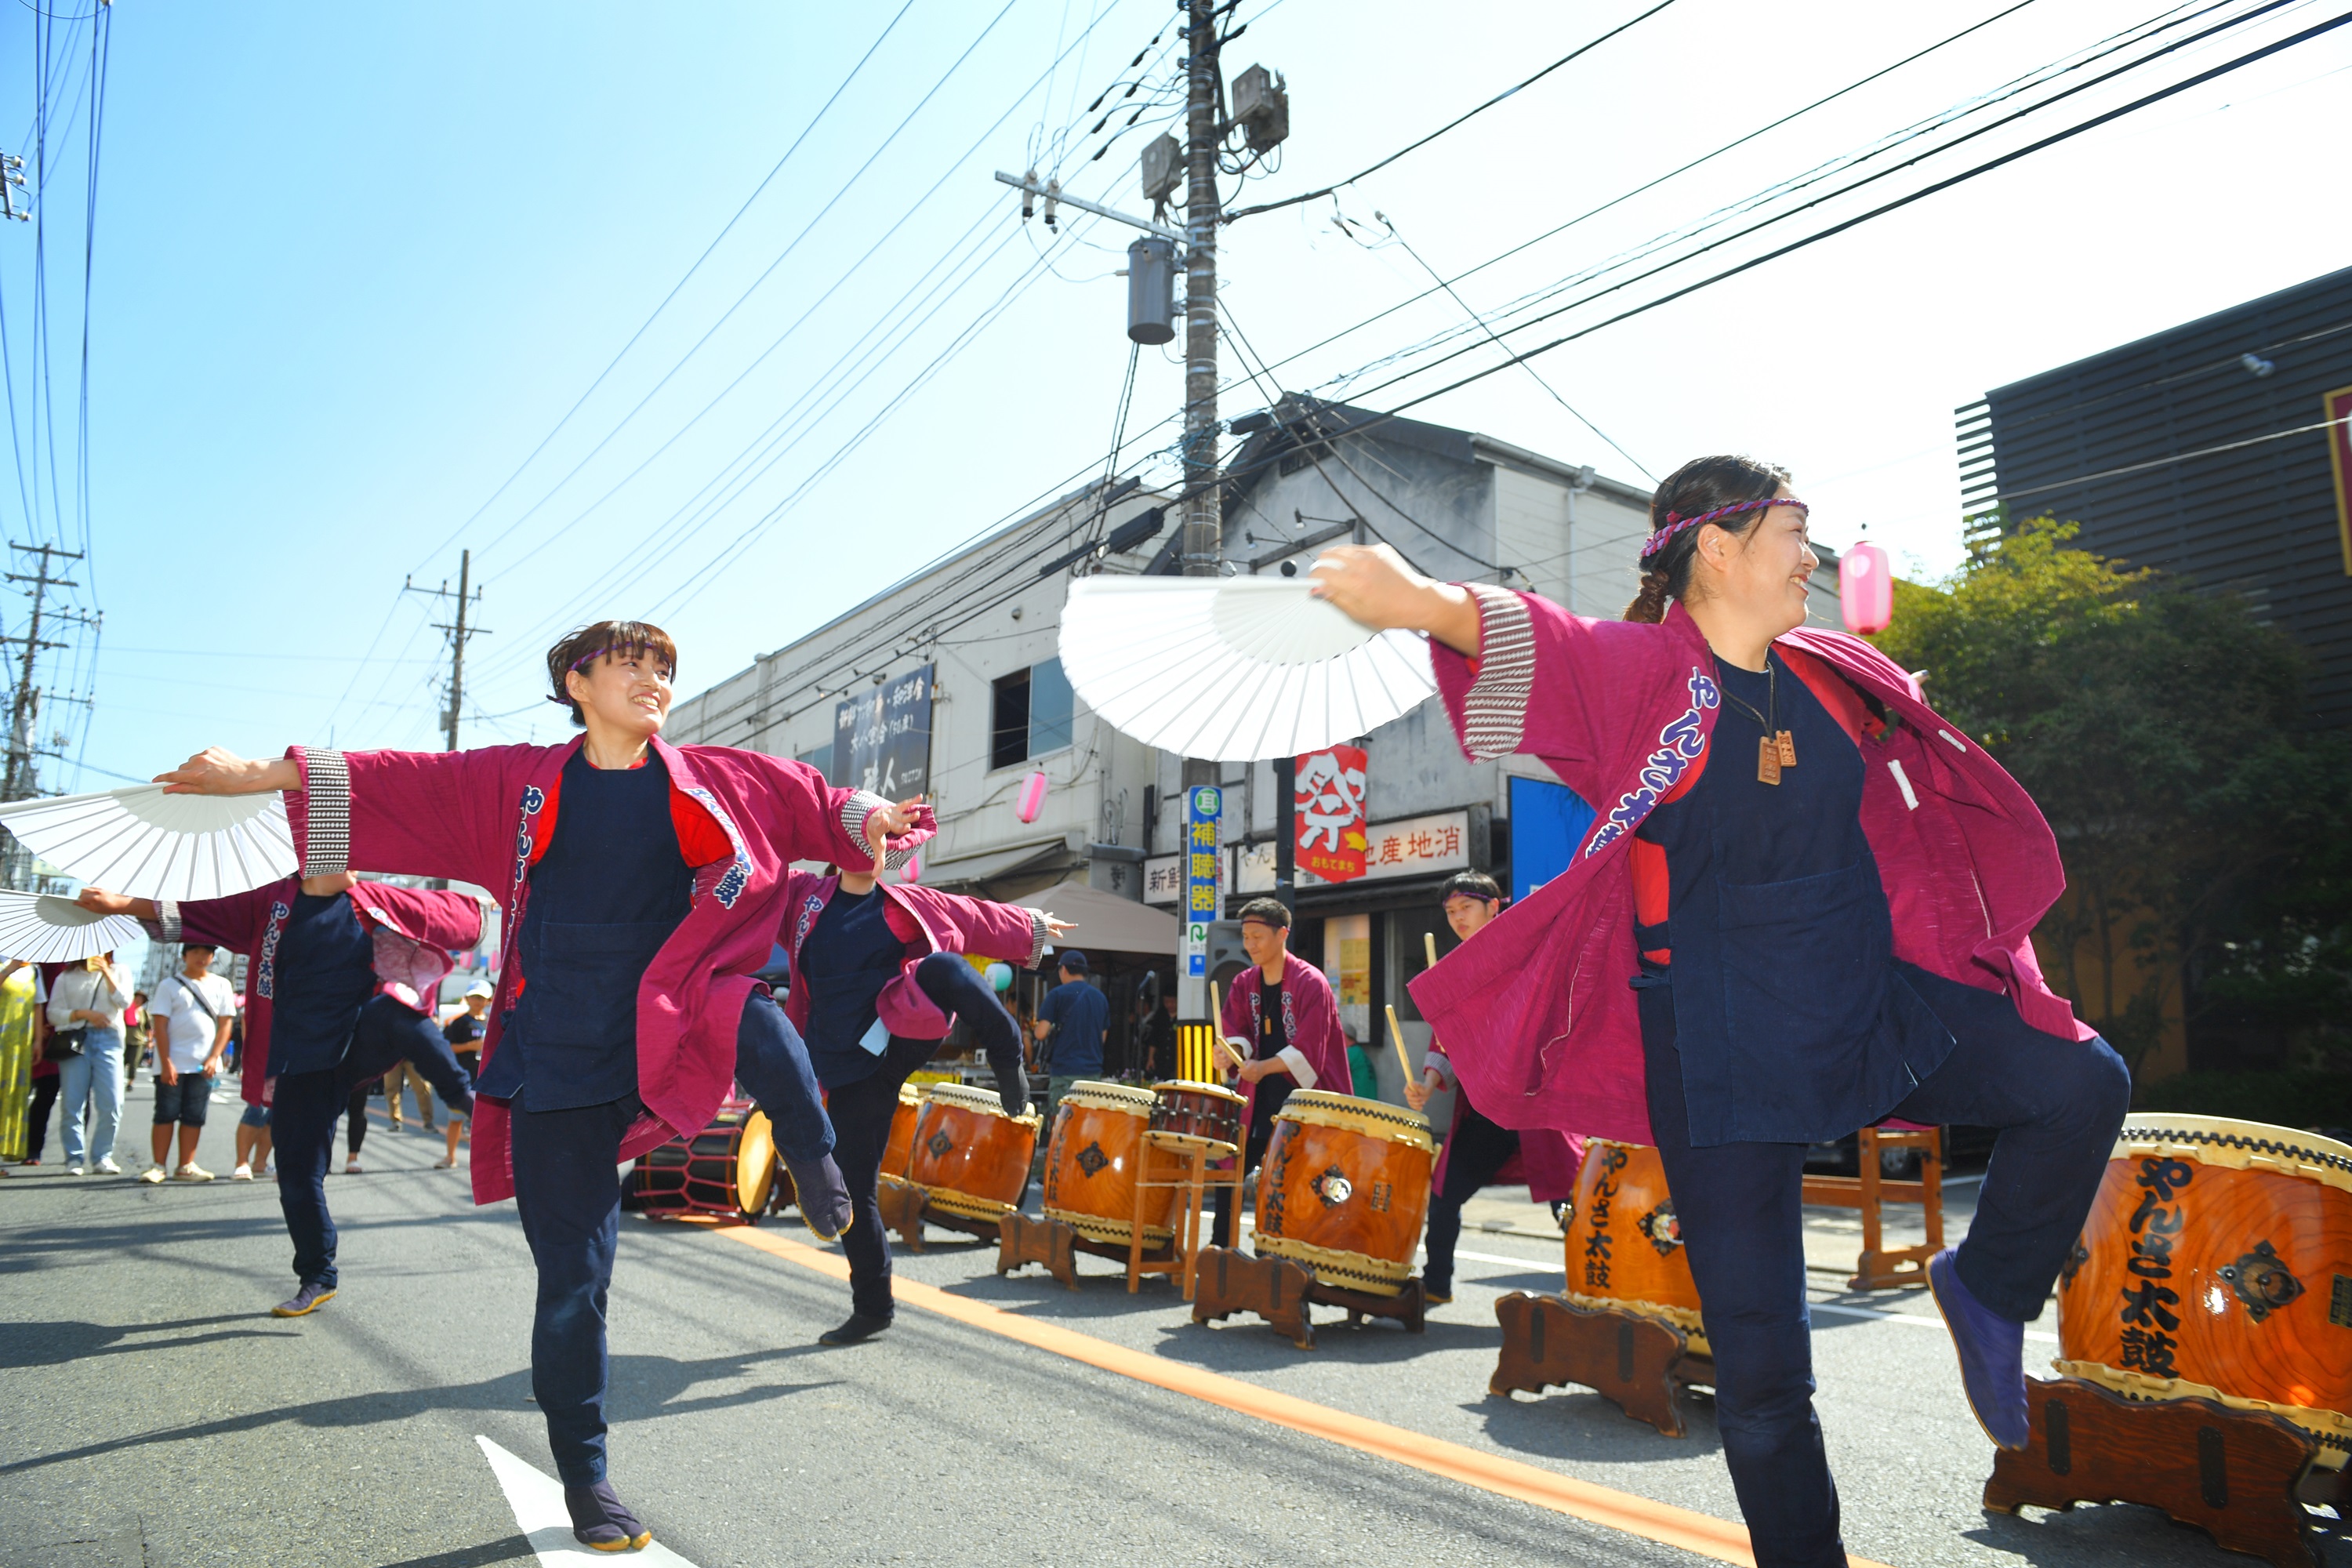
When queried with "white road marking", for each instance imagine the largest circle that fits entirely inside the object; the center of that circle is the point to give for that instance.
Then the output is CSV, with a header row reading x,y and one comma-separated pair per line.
x,y
537,1503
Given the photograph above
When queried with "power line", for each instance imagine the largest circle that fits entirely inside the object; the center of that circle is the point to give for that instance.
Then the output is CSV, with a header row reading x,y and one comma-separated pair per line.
x,y
1450,124
728,228
2168,462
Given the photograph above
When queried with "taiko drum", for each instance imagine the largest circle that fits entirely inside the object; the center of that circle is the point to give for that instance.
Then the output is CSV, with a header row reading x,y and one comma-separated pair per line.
x,y
1625,1244
1345,1188
969,1157
1095,1160
898,1153
1205,1110
2217,1263
726,1169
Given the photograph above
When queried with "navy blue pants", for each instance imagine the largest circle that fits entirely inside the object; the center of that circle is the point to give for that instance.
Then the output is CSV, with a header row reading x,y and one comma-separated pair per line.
x,y
568,1197
302,1114
2057,1105
862,1112
1475,1155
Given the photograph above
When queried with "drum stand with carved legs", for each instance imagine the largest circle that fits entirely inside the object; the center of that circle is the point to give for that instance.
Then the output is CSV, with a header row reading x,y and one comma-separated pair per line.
x,y
1175,1160
1638,1363
2241,1476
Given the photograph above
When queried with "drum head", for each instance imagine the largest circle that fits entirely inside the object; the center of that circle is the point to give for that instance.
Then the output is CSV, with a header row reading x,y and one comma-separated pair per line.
x,y
755,1165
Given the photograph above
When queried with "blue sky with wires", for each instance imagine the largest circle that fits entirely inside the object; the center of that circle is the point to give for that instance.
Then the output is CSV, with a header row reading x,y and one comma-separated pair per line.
x,y
717,317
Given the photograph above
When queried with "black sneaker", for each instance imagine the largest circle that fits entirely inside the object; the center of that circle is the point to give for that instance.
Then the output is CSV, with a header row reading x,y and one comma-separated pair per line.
x,y
858,1330
1012,1087
823,1196
602,1522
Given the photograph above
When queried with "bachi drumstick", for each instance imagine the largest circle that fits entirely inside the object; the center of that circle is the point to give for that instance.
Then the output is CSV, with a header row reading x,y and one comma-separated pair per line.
x,y
1396,1037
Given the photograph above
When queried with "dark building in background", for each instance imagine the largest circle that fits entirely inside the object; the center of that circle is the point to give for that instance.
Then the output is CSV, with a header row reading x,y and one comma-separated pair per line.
x,y
2170,452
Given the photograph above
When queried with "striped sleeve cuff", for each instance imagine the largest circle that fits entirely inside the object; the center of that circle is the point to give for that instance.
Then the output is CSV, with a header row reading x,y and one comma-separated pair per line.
x,y
1037,936
166,924
861,805
326,829
1495,708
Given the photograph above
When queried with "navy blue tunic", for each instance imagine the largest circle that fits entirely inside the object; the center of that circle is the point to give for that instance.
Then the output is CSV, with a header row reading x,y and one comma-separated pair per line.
x,y
846,961
608,892
326,973
1794,1023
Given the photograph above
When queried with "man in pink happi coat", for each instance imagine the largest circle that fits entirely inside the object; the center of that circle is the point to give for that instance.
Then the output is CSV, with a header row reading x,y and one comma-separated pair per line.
x,y
1281,1013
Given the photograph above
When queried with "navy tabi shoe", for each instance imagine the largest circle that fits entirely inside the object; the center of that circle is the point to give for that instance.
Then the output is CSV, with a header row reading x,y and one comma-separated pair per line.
x,y
1993,1356
822,1195
304,1302
602,1522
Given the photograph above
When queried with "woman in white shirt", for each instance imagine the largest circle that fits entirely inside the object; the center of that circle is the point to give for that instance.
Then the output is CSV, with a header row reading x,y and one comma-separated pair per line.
x,y
92,998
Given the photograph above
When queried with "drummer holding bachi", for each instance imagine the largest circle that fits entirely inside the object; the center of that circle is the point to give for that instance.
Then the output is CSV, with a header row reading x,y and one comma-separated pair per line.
x,y
1282,1018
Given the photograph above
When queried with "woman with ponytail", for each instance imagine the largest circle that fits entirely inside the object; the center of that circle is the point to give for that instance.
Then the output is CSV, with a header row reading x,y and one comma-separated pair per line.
x,y
1804,908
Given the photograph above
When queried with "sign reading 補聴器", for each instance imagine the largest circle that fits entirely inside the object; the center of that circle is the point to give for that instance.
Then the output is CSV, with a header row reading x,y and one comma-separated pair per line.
x,y
1203,804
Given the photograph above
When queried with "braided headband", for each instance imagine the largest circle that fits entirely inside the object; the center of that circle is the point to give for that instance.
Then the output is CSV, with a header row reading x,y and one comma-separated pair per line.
x,y
1657,541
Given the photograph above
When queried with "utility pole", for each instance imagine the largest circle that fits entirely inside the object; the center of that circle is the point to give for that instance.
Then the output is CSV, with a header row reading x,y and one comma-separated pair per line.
x,y
1204,540
457,631
24,711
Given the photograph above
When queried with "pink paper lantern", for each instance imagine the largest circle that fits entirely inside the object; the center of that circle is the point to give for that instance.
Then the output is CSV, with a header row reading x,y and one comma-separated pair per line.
x,y
1032,798
1866,589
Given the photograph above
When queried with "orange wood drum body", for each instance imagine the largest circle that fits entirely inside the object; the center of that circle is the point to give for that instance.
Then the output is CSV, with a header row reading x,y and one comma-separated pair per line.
x,y
1345,1188
726,1169
2218,1260
1625,1244
899,1152
1092,1162
969,1158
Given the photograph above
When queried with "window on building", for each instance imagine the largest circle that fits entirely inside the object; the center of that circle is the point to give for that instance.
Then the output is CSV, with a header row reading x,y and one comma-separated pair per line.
x,y
1030,714
821,759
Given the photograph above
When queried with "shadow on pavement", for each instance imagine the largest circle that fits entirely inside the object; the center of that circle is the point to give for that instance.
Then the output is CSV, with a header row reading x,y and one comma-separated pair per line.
x,y
55,1343
513,1549
1576,1425
642,1386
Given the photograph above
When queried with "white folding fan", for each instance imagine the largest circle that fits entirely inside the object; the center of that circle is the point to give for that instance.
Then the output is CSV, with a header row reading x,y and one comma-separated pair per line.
x,y
1235,669
149,845
41,928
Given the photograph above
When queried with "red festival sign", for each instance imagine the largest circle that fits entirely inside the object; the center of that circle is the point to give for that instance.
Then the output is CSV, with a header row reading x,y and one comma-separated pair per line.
x,y
1329,796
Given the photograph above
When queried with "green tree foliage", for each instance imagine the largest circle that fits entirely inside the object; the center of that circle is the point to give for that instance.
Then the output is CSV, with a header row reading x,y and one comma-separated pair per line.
x,y
2162,731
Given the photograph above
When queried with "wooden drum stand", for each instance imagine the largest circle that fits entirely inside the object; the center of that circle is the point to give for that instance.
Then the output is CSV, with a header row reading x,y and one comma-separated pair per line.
x,y
1178,1160
1281,1290
1638,1363
2241,1476
1879,1270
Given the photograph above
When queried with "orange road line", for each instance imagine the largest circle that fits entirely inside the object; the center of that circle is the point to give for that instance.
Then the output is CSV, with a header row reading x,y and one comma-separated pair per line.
x,y
1701,1533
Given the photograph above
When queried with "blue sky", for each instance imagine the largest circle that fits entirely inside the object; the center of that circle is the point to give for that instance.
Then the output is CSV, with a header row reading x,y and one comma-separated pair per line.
x,y
353,264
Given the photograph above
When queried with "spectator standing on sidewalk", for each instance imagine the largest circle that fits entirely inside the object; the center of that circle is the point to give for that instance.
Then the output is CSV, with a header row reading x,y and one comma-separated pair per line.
x,y
192,1014
24,1037
464,1031
1070,1022
134,1039
86,1003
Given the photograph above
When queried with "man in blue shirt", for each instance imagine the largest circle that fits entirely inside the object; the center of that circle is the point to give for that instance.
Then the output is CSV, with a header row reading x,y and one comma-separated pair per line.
x,y
1070,1022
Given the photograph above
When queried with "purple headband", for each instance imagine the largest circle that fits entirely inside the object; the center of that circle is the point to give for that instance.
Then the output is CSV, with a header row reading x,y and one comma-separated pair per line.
x,y
1657,541
580,663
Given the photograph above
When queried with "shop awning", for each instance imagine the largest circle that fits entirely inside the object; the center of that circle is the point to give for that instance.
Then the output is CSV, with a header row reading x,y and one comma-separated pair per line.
x,y
1105,921
972,870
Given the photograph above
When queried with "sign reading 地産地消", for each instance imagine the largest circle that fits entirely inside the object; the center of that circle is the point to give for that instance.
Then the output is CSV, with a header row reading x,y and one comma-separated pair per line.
x,y
1328,802
1204,804
1416,846
882,741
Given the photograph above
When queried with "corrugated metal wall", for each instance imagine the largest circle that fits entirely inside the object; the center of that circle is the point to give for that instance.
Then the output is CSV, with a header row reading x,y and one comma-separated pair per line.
x,y
2261,520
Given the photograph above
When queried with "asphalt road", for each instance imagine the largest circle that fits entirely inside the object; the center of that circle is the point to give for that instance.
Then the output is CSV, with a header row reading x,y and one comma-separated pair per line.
x,y
156,1416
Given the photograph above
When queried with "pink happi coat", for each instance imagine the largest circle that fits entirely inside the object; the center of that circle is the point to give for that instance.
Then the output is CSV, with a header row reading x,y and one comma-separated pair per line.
x,y
414,930
476,816
1548,1159
925,919
1539,1014
1310,1023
